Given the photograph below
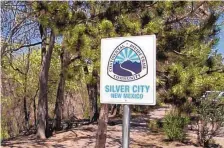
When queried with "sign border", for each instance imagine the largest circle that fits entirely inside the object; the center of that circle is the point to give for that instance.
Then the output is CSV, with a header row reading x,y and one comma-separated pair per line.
x,y
154,73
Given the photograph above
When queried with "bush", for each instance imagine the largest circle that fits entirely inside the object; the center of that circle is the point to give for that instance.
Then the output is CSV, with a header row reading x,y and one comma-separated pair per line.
x,y
210,120
174,125
155,125
4,133
159,102
187,108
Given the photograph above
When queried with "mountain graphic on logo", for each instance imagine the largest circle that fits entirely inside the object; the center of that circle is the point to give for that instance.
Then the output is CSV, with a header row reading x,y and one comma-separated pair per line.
x,y
127,63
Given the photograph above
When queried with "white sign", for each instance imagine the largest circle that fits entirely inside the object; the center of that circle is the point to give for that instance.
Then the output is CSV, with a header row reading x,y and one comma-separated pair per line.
x,y
128,70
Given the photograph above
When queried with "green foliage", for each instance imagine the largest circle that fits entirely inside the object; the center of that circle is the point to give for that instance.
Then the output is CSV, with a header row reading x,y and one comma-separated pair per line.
x,y
128,26
106,28
175,125
4,131
186,64
187,108
57,15
193,81
155,125
154,26
86,113
14,85
210,119
159,102
191,66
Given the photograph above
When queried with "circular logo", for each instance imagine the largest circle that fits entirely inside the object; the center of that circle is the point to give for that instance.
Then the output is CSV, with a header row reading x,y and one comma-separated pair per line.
x,y
127,62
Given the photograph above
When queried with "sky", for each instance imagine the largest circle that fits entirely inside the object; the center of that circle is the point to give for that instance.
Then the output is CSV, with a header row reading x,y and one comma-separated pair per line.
x,y
220,45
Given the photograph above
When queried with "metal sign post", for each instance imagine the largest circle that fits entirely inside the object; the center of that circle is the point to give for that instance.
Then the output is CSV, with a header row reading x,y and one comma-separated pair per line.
x,y
126,127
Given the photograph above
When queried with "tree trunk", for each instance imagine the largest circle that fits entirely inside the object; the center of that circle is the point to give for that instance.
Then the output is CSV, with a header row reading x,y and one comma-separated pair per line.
x,y
34,112
34,108
102,127
92,92
42,115
26,116
93,111
26,113
60,93
95,105
66,60
90,101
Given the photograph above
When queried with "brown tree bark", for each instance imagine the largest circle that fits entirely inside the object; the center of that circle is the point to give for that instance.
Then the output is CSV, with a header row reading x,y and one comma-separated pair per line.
x,y
66,60
92,93
93,108
42,115
34,108
26,113
102,127
60,92
115,110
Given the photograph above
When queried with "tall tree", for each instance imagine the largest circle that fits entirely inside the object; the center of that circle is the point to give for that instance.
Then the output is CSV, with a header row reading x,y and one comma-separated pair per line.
x,y
26,112
93,91
53,16
66,60
101,135
179,37
76,47
74,43
42,115
45,11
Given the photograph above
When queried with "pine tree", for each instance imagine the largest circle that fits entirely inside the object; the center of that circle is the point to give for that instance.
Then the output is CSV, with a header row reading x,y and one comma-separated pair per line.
x,y
185,34
186,64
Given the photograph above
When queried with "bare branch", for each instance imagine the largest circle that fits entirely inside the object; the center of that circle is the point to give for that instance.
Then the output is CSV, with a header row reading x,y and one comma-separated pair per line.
x,y
151,5
182,54
74,58
28,45
219,70
15,68
185,16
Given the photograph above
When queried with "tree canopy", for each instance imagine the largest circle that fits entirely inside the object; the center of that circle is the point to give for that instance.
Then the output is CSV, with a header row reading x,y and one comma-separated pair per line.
x,y
51,52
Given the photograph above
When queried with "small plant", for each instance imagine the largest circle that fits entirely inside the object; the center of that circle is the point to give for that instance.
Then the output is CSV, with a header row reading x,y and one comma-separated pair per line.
x,y
174,125
154,125
210,120
187,108
4,133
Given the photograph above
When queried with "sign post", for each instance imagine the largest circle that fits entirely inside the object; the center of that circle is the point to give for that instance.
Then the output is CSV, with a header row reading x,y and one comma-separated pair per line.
x,y
128,74
126,127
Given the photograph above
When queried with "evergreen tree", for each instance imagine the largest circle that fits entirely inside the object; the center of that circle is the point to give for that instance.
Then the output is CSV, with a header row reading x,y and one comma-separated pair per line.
x,y
187,66
185,36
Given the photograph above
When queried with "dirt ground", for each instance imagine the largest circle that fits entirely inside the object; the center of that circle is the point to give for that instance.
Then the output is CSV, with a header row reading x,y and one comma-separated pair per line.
x,y
84,136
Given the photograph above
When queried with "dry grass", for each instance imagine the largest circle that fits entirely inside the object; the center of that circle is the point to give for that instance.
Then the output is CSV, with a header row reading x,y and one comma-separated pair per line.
x,y
84,136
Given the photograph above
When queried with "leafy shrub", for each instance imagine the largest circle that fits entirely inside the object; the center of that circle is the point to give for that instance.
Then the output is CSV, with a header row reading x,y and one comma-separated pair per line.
x,y
4,133
174,125
159,102
86,113
210,120
154,125
187,108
